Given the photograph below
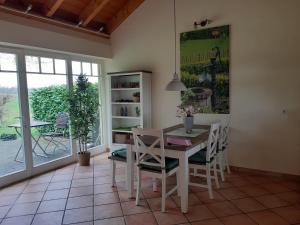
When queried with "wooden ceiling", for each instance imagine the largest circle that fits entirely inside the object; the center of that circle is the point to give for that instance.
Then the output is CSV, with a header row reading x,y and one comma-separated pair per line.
x,y
99,17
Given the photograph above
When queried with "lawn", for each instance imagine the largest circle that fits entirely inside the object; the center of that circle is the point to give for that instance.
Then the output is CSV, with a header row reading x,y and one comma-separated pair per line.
x,y
10,115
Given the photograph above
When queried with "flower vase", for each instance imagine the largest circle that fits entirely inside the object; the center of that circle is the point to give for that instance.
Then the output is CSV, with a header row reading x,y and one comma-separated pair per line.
x,y
188,122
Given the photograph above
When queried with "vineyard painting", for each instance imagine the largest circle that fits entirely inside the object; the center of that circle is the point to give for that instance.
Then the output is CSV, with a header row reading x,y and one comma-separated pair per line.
x,y
205,63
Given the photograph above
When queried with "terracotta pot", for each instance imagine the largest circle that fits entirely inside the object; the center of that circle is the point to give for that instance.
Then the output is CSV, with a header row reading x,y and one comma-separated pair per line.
x,y
84,158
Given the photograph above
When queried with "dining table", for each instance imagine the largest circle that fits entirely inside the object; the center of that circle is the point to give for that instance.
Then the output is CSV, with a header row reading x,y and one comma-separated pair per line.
x,y
197,141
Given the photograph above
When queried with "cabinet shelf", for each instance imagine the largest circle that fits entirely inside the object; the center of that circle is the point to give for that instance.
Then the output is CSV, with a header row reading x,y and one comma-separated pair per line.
x,y
125,103
126,117
125,89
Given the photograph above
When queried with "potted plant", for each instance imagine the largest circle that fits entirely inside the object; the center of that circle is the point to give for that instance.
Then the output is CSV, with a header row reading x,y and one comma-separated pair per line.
x,y
187,109
83,116
136,97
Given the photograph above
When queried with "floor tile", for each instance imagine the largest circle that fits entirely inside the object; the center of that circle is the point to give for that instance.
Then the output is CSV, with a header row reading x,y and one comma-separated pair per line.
x,y
254,190
56,194
290,213
35,188
275,187
23,209
199,212
78,215
50,218
292,197
106,198
155,204
111,221
104,188
233,193
20,220
59,185
204,197
271,201
173,216
208,222
267,218
8,200
107,211
241,219
131,208
221,209
62,177
52,205
193,199
248,205
3,211
30,197
80,202
80,191
138,219
102,180
82,182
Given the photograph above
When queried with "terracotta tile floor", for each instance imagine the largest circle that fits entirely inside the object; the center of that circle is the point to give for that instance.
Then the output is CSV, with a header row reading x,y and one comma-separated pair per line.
x,y
84,196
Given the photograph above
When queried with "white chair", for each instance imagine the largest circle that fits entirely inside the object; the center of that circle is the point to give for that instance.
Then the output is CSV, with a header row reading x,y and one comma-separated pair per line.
x,y
206,160
223,150
151,160
119,155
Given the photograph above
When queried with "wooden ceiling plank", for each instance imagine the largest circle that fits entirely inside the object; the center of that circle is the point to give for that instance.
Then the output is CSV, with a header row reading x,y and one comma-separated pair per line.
x,y
122,14
91,11
54,7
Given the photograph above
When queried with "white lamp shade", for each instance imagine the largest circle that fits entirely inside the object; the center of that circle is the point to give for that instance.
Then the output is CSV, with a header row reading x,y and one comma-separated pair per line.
x,y
175,84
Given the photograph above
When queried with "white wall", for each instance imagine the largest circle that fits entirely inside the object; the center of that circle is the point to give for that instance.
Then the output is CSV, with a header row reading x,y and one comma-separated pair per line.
x,y
265,71
22,31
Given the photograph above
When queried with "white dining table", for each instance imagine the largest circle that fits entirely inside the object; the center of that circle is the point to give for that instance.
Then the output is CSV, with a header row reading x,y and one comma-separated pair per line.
x,y
182,153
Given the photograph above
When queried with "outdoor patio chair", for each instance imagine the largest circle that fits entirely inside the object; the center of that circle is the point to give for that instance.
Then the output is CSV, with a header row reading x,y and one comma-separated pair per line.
x,y
60,127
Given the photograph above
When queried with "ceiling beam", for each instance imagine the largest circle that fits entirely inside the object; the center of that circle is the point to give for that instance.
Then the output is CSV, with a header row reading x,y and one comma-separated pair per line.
x,y
52,9
93,8
122,14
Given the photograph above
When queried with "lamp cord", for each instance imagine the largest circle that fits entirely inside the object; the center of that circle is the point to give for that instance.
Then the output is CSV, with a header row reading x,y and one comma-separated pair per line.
x,y
175,34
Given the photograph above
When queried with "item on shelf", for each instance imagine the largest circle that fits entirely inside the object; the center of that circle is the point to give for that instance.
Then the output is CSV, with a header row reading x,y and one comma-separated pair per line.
x,y
125,111
120,138
125,128
122,112
136,96
137,111
124,100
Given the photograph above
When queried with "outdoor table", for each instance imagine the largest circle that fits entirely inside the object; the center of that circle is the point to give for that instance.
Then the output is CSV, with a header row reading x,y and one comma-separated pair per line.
x,y
33,124
180,152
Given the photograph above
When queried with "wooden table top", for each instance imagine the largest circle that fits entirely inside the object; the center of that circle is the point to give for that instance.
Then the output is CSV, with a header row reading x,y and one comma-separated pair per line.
x,y
195,140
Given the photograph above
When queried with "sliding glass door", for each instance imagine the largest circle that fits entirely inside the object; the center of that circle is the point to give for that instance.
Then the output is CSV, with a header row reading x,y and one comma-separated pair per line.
x,y
35,131
11,132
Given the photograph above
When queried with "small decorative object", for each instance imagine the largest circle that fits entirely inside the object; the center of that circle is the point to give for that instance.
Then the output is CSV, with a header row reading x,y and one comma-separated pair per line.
x,y
122,111
125,111
137,111
136,97
83,115
186,110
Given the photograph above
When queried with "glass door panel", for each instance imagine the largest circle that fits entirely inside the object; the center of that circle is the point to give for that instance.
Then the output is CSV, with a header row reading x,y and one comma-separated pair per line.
x,y
11,141
49,117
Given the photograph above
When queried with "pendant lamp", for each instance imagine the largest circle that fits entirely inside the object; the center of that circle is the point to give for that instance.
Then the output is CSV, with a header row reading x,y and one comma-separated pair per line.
x,y
175,84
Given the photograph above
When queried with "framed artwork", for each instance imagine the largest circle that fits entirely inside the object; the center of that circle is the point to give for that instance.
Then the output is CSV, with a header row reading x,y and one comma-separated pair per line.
x,y
205,66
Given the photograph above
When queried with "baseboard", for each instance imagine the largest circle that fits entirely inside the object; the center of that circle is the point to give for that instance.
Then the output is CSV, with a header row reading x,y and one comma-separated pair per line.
x,y
266,173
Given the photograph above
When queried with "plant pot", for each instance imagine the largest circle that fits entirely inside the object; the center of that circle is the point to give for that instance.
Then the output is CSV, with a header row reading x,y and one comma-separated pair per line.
x,y
84,158
188,124
136,99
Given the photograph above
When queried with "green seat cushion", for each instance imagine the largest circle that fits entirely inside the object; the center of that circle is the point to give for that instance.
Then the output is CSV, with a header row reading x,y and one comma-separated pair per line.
x,y
169,162
199,158
120,155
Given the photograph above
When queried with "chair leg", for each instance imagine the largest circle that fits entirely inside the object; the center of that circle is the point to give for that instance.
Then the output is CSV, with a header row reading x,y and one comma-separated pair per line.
x,y
226,160
163,192
154,184
220,157
208,178
216,174
113,173
178,183
138,187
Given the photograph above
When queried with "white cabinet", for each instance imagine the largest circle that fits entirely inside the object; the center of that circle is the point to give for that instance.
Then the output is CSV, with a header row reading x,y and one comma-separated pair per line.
x,y
129,104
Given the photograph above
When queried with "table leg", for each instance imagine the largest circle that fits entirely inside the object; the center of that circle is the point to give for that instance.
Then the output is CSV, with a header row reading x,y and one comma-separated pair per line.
x,y
130,171
37,143
184,181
